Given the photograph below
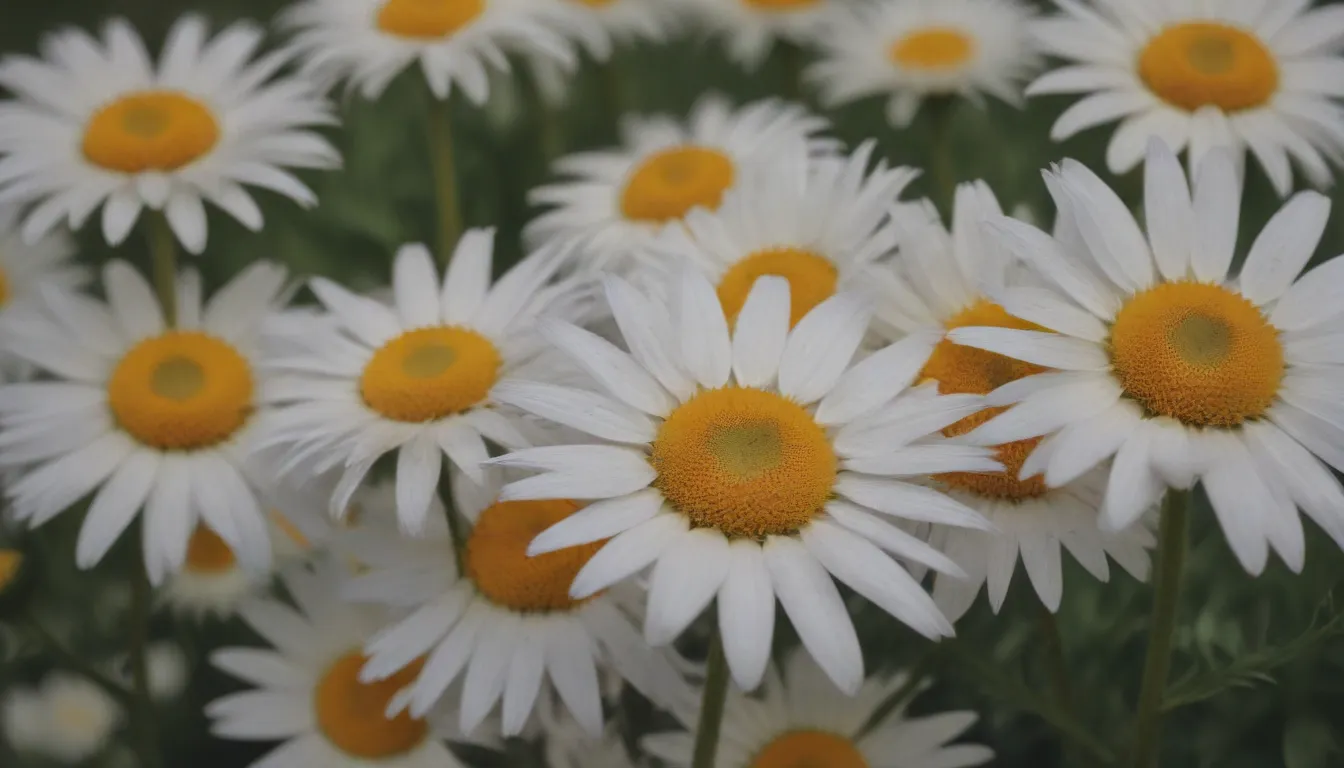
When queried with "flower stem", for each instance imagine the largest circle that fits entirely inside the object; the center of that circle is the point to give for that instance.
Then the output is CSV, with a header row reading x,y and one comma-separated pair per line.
x,y
942,159
163,255
441,158
1054,657
711,705
142,715
452,515
1166,591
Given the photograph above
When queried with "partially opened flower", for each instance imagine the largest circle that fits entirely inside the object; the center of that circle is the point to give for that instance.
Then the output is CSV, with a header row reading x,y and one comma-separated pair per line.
x,y
1257,76
747,466
620,198
752,28
152,417
907,52
801,719
96,123
1180,370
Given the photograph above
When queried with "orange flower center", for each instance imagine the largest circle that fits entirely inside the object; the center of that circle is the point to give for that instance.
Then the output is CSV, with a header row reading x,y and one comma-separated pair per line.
x,y
671,182
1203,63
427,19
497,561
430,373
351,714
811,277
149,131
810,749
935,48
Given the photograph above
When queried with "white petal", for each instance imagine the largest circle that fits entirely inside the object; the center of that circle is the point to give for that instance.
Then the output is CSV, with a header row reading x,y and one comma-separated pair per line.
x,y
1284,247
616,371
116,504
1133,486
891,538
569,662
1240,500
1050,409
1040,557
1047,255
877,378
1217,205
523,682
1316,297
1168,211
762,329
703,331
627,553
597,521
414,284
587,411
1046,308
132,301
578,472
821,346
419,464
909,502
646,331
818,614
1084,444
747,613
370,322
488,669
684,580
467,281
186,215
1051,350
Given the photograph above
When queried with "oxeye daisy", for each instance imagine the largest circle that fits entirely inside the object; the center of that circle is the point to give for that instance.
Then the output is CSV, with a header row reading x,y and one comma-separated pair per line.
x,y
801,719
618,199
417,377
751,28
308,693
151,417
820,223
1257,76
97,123
750,465
1180,371
66,718
909,51
505,623
24,270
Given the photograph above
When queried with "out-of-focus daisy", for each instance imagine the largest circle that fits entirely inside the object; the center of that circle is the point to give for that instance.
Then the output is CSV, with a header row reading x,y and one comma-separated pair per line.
x,y
750,465
1180,371
98,124
308,692
166,669
1257,76
909,51
153,418
11,565
751,28
801,719
66,718
417,377
951,279
568,745
507,623
24,270
618,199
820,223
369,42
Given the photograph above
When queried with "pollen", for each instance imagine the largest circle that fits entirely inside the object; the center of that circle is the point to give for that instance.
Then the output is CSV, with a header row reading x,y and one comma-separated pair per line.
x,y
671,182
11,562
1198,353
966,370
781,5
933,49
498,564
427,19
207,553
430,373
811,277
1202,63
351,714
181,391
150,131
744,461
806,749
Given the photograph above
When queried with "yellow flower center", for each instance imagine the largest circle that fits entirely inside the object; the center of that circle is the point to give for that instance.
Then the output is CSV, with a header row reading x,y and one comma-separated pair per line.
x,y
430,373
933,48
351,713
427,19
810,749
207,553
594,3
498,564
149,131
673,181
966,370
1201,63
183,390
781,5
811,279
11,560
744,461
1198,353
4,288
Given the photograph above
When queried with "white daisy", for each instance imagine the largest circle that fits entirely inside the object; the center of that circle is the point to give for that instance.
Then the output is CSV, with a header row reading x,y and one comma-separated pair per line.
x,y
507,623
24,270
308,691
417,377
567,745
369,42
153,418
748,466
801,719
1203,73
66,718
1179,370
96,122
620,198
909,51
751,28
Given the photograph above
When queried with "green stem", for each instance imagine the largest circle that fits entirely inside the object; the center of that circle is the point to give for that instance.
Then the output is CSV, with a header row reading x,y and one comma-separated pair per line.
x,y
1166,592
455,532
711,705
163,255
73,662
942,160
142,715
441,158
1054,657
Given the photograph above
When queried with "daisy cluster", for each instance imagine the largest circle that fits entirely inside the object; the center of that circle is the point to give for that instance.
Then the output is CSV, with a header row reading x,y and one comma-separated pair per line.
x,y
741,367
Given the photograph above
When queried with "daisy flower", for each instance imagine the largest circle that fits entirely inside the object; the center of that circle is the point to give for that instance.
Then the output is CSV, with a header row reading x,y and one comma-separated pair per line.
x,y
1203,73
909,51
820,223
618,199
66,718
750,465
153,418
752,27
800,718
417,377
308,692
24,270
97,123
1180,371
946,280
369,42
505,624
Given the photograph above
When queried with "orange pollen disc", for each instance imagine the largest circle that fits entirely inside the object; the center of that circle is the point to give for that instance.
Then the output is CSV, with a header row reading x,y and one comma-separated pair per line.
x,y
427,19
811,277
744,461
149,131
497,561
207,553
430,373
935,48
11,561
351,713
669,183
1197,64
1198,353
809,749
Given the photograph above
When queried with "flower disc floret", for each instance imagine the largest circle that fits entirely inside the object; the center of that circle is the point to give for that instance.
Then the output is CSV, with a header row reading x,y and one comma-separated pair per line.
x,y
934,48
430,373
427,19
351,713
812,279
671,182
150,131
1197,64
807,748
498,564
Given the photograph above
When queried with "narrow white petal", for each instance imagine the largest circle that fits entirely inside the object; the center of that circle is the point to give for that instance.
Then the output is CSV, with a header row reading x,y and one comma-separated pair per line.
x,y
1050,409
467,281
597,521
627,553
616,371
762,329
1217,206
1316,297
523,681
586,411
877,379
1040,557
569,663
1133,486
813,604
1051,350
747,614
1046,308
891,538
647,332
908,501
414,283
1284,247
1084,444
115,505
1168,211
684,580
706,349
419,464
821,346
